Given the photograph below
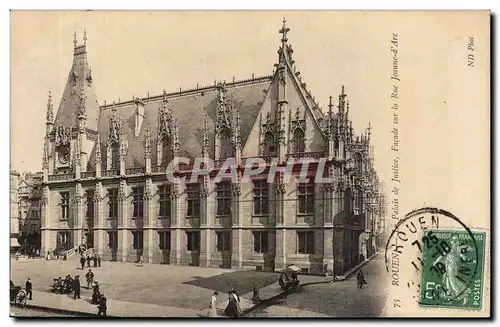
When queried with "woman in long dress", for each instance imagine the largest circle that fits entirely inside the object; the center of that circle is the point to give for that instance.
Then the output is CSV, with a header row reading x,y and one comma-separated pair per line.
x,y
212,310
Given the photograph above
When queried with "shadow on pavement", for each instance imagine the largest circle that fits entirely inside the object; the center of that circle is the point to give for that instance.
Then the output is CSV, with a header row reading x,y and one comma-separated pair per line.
x,y
242,280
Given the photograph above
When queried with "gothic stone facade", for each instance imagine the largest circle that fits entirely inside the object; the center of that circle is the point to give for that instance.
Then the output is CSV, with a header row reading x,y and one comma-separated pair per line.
x,y
105,175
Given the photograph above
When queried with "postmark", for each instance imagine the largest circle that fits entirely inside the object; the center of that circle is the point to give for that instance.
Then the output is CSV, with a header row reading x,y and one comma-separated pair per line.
x,y
450,280
408,248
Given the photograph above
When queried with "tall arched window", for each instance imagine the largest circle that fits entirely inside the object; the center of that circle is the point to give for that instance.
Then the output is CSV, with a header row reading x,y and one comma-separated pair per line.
x,y
115,156
298,141
166,151
269,144
226,148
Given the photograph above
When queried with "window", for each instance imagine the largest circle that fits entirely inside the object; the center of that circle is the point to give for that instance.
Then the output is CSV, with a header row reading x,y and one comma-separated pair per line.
x,y
138,240
299,141
166,151
260,242
260,197
269,144
90,203
164,240
138,201
193,241
358,199
305,242
224,241
193,200
63,240
165,203
64,205
113,203
112,240
226,148
306,198
223,199
115,158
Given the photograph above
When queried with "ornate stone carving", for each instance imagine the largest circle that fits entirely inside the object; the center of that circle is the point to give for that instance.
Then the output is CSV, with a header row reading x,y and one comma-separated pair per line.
x,y
82,104
236,189
45,159
204,191
50,110
98,150
115,126
147,142
329,188
122,191
148,190
175,193
63,135
45,195
98,197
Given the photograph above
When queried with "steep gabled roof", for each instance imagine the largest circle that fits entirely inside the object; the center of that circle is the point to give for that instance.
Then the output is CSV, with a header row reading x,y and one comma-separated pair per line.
x,y
190,109
79,84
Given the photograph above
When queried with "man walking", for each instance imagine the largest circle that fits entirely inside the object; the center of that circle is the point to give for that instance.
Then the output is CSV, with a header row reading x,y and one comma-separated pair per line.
x,y
360,279
29,289
103,307
90,278
82,261
76,287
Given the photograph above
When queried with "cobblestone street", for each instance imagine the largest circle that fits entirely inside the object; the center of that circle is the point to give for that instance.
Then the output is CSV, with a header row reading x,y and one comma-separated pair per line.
x,y
340,299
33,313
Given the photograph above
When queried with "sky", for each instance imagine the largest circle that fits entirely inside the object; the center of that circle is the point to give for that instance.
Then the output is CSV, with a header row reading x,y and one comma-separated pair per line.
x,y
444,144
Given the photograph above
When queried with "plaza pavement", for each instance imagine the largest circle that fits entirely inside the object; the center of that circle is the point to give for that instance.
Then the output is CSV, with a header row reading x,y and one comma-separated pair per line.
x,y
150,290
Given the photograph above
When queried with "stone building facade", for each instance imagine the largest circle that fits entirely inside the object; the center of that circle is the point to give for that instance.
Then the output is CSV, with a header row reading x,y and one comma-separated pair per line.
x,y
105,167
14,209
30,187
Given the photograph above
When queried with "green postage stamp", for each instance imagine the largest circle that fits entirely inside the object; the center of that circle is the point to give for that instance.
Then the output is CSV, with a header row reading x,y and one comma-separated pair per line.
x,y
453,273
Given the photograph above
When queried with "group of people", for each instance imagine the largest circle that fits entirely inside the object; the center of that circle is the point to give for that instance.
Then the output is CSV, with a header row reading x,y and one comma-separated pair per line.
x,y
288,281
72,285
15,289
96,259
232,310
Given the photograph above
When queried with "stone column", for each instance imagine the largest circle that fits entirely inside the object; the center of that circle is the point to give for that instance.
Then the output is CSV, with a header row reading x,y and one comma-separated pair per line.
x,y
237,232
100,219
149,216
45,222
205,233
78,216
123,222
176,224
280,245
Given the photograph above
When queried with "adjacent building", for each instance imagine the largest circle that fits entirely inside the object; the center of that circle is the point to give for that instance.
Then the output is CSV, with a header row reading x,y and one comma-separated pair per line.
x,y
14,210
30,210
104,174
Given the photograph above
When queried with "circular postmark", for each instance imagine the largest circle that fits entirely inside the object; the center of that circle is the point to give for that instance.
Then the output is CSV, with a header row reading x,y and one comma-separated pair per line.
x,y
434,254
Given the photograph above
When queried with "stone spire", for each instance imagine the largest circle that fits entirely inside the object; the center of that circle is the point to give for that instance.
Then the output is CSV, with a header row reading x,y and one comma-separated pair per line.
x,y
50,110
79,87
205,146
98,150
147,142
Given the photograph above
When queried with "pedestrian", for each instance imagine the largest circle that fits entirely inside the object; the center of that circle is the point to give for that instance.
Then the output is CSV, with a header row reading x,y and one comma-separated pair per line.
x,y
99,260
255,294
29,289
76,287
88,260
90,278
237,297
360,278
95,261
82,262
96,294
103,307
212,308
